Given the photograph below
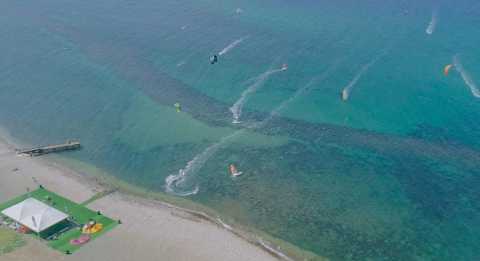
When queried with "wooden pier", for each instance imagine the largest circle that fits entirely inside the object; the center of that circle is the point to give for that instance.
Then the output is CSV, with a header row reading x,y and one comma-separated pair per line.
x,y
69,145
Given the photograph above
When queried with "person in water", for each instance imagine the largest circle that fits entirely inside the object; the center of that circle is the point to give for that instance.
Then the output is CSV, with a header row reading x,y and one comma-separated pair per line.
x,y
178,107
233,171
344,95
213,59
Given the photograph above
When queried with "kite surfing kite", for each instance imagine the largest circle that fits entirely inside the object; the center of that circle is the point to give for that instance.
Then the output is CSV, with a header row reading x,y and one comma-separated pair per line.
x,y
447,68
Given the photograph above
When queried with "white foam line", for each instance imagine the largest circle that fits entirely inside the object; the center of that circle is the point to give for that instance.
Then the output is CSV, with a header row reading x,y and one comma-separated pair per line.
x,y
181,63
433,23
224,225
347,89
273,250
237,107
232,45
298,93
466,77
172,182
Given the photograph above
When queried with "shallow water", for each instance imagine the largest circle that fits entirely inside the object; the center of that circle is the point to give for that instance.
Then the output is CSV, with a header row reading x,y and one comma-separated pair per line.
x,y
392,173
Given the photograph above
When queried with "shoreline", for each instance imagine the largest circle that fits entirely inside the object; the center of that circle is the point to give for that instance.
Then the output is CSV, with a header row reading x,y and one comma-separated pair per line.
x,y
282,250
98,181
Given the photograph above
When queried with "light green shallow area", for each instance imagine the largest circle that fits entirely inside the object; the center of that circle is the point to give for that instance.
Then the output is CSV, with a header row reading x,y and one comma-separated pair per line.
x,y
146,125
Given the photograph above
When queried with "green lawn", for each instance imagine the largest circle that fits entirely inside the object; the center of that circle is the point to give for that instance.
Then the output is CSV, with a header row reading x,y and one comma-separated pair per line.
x,y
80,213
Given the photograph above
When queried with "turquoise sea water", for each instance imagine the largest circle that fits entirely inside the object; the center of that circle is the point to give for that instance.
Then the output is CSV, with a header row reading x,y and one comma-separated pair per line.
x,y
392,173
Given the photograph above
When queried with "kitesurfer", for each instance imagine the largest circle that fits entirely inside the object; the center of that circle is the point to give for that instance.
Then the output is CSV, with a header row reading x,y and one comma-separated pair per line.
x,y
178,107
344,95
213,59
233,171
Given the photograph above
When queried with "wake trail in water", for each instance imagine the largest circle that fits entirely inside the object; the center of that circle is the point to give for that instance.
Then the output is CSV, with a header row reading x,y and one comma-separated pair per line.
x,y
466,77
433,23
181,184
347,89
300,92
237,107
232,45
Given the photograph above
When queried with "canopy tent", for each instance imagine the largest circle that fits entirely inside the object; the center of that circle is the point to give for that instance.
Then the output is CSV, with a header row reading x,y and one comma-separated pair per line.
x,y
35,215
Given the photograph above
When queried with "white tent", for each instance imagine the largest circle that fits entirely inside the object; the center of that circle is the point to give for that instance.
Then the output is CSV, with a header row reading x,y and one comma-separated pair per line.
x,y
35,215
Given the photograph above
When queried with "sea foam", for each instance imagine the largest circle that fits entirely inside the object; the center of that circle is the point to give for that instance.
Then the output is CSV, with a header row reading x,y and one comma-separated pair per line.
x,y
237,107
232,45
347,89
466,77
433,23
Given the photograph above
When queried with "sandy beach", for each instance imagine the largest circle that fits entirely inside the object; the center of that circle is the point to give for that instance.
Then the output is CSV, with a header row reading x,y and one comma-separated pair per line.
x,y
150,230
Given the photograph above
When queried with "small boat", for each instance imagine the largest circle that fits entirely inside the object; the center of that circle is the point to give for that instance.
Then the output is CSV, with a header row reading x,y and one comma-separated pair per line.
x,y
284,67
234,172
